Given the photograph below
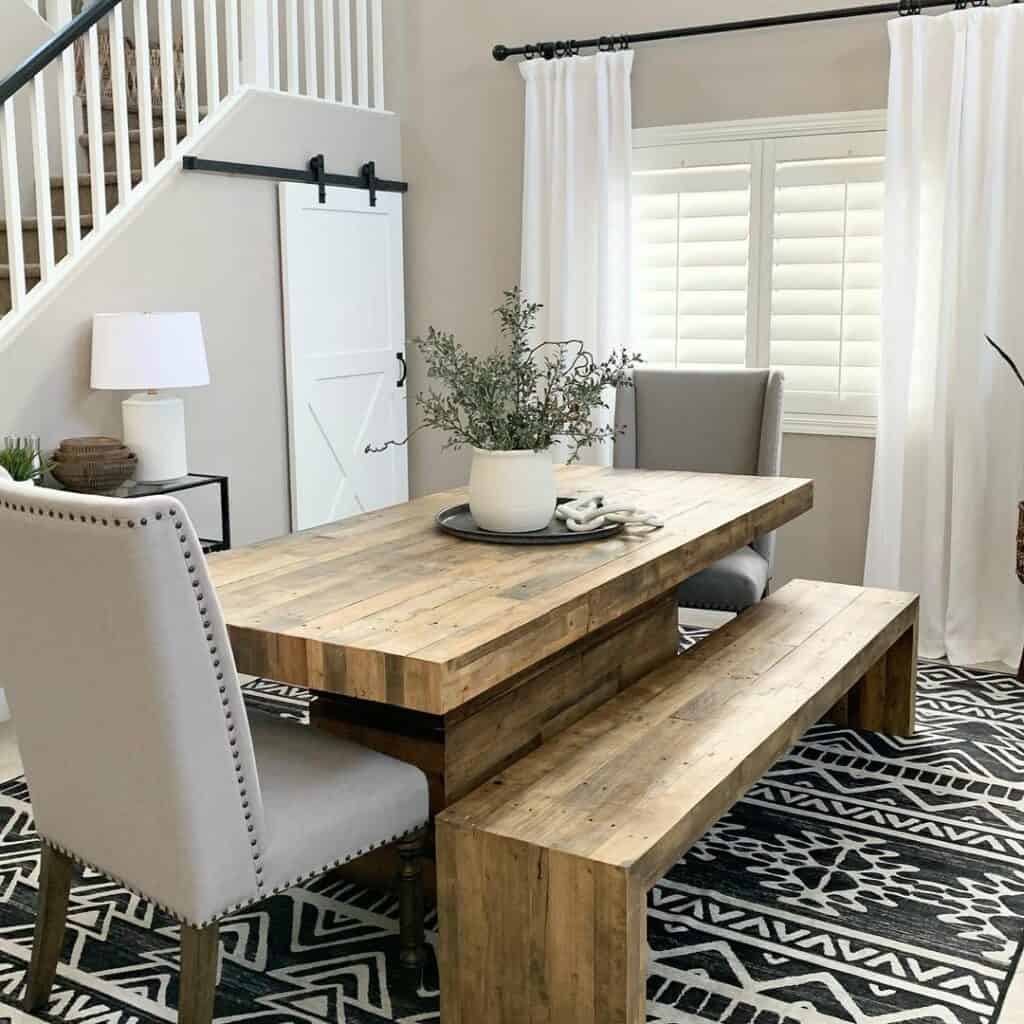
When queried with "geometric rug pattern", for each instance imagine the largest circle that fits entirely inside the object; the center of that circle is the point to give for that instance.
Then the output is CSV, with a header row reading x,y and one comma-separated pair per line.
x,y
863,880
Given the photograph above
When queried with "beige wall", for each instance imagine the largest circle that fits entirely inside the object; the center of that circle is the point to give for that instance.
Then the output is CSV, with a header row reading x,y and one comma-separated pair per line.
x,y
207,243
462,138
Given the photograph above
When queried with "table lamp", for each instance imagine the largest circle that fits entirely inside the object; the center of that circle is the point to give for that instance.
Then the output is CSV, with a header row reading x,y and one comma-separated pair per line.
x,y
145,353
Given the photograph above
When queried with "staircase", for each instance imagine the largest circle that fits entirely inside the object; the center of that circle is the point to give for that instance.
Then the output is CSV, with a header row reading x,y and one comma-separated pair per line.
x,y
30,225
139,76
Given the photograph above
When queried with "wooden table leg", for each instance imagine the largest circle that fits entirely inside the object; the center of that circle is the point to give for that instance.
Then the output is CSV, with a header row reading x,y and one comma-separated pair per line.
x,y
538,936
462,750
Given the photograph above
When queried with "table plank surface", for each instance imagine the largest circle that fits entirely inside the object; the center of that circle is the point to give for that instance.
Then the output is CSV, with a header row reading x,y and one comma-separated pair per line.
x,y
385,607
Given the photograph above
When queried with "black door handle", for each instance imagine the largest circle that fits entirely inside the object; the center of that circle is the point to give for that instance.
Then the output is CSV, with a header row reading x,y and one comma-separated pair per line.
x,y
405,369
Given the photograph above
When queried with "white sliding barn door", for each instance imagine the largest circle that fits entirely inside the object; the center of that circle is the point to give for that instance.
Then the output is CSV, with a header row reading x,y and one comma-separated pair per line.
x,y
344,332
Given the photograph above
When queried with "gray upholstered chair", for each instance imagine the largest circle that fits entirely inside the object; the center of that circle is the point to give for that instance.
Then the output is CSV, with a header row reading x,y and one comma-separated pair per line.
x,y
708,421
140,757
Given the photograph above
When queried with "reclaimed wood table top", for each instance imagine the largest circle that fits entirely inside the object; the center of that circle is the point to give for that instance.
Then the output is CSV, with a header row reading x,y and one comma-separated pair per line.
x,y
386,607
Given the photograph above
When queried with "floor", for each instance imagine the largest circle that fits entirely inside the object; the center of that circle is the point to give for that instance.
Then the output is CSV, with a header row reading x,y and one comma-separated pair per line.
x,y
10,765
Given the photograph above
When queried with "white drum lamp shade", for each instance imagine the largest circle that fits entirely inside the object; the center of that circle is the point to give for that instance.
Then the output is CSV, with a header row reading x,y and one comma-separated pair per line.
x,y
149,352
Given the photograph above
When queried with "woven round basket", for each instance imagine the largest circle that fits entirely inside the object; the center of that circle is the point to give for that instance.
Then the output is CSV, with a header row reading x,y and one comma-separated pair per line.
x,y
93,465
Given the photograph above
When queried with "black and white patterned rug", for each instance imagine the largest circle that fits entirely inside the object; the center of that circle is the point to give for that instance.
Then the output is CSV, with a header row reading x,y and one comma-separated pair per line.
x,y
863,880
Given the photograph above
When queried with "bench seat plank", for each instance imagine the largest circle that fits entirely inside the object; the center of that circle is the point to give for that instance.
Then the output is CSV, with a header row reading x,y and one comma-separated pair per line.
x,y
658,764
568,839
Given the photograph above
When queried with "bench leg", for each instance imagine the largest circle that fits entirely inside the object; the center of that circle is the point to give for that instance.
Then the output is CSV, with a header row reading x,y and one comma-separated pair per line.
x,y
535,935
885,699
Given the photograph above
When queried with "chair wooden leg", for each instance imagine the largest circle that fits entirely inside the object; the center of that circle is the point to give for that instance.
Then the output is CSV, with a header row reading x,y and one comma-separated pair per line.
x,y
410,900
54,889
198,987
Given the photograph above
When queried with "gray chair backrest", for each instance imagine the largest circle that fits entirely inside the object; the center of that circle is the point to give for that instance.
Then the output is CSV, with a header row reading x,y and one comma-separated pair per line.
x,y
125,698
704,420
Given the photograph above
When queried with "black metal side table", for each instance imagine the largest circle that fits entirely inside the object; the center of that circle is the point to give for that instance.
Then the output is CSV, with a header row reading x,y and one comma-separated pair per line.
x,y
187,483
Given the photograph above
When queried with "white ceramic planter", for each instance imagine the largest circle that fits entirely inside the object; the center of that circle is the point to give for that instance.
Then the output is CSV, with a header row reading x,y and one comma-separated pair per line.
x,y
512,492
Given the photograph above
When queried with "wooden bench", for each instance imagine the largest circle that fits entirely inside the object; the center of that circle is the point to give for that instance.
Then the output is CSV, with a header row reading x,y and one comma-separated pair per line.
x,y
545,869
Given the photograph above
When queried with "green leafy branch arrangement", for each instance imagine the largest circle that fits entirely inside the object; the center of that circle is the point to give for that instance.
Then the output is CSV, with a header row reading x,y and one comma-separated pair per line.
x,y
523,397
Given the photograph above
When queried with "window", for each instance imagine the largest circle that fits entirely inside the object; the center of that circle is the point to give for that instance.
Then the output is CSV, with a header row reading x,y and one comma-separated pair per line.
x,y
759,244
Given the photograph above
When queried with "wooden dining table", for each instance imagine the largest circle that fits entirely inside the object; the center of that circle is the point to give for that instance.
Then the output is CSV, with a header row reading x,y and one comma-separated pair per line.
x,y
461,656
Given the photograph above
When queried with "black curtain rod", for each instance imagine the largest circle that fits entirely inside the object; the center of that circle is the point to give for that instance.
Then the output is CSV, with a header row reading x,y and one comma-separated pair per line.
x,y
572,47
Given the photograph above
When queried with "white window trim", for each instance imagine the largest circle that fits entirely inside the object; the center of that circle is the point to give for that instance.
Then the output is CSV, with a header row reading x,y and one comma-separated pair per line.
x,y
766,130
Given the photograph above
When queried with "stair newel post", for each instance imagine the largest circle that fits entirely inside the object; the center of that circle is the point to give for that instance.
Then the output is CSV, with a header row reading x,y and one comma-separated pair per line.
x,y
256,49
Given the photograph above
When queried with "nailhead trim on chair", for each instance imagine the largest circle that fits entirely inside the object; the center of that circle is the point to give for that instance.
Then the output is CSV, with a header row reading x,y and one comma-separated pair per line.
x,y
240,779
262,894
245,903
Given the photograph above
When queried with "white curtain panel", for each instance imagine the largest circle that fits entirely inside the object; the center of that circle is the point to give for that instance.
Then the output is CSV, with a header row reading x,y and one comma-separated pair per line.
x,y
577,195
949,469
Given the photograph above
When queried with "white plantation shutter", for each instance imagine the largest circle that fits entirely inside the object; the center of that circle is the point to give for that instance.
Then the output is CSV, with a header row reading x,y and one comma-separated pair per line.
x,y
691,231
826,255
766,251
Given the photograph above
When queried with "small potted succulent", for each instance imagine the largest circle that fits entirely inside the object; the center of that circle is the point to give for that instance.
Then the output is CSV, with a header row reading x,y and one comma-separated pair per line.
x,y
512,407
21,461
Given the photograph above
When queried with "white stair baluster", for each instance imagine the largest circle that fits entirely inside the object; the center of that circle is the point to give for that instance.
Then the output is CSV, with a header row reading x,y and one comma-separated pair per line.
x,y
378,54
330,72
231,44
167,79
119,90
41,157
190,58
212,45
144,88
94,128
345,46
275,44
291,27
362,54
66,103
309,28
12,204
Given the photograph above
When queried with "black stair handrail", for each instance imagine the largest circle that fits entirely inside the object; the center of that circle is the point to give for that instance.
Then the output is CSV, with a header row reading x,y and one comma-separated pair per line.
x,y
49,51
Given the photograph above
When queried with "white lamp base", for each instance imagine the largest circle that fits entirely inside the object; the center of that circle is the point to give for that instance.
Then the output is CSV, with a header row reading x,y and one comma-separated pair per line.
x,y
154,428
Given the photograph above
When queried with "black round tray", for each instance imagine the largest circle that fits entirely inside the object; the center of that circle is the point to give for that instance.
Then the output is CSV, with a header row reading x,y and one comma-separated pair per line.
x,y
458,521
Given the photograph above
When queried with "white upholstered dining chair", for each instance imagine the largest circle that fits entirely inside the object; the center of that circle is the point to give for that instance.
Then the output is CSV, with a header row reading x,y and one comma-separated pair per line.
x,y
708,420
140,757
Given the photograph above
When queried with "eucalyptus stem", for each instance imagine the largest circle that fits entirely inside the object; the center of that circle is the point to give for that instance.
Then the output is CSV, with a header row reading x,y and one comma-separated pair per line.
x,y
523,396
1006,356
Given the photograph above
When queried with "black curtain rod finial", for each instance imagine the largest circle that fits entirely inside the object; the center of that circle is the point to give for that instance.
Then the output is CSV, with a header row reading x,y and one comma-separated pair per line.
x,y
500,52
